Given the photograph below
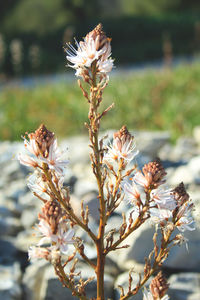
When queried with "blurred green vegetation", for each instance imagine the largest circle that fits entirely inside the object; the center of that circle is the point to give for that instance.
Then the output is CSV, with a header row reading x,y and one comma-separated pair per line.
x,y
138,30
157,100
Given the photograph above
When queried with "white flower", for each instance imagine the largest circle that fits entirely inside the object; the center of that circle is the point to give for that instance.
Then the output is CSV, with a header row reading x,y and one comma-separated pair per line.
x,y
126,150
27,160
46,232
112,155
31,146
160,214
140,179
36,184
164,198
149,296
131,192
54,159
37,252
184,223
63,238
85,54
185,219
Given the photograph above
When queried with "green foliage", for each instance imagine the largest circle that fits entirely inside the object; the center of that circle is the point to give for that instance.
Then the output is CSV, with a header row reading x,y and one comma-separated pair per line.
x,y
153,100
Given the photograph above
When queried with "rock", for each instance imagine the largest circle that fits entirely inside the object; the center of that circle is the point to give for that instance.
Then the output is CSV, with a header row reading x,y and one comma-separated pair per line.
x,y
8,252
41,283
140,243
29,217
184,149
73,145
186,260
10,226
32,280
25,239
181,174
184,286
83,187
149,143
10,277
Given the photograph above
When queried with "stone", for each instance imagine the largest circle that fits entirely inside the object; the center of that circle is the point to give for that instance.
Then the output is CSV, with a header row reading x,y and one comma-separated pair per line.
x,y
10,226
29,217
10,277
182,259
149,143
181,174
41,283
32,280
140,245
8,252
184,286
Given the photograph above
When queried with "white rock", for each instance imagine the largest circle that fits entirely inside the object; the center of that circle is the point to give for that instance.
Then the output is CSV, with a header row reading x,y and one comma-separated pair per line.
x,y
184,286
10,282
180,174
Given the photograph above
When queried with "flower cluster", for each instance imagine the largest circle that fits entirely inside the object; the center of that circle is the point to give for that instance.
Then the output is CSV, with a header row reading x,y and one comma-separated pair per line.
x,y
94,48
164,205
46,159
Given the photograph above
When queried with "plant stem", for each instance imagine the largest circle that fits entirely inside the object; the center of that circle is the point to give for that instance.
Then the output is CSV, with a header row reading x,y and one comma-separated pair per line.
x,y
96,163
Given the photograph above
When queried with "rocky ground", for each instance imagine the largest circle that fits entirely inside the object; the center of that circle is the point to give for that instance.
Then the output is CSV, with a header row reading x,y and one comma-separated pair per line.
x,y
20,280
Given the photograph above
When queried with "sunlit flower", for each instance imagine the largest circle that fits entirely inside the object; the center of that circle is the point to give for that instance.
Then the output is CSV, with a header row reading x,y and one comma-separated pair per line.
x,y
149,296
184,218
45,231
63,238
94,47
36,184
54,159
35,253
123,147
27,160
164,198
160,214
140,179
131,191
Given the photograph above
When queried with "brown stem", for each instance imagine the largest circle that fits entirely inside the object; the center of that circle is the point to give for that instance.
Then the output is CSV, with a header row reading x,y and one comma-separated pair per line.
x,y
96,163
138,222
157,262
65,280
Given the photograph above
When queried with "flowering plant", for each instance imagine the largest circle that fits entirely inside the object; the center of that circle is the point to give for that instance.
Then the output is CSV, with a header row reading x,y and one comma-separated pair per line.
x,y
117,180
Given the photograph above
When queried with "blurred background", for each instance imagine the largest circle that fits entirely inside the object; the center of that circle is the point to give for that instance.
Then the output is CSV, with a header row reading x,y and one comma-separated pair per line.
x,y
155,86
147,37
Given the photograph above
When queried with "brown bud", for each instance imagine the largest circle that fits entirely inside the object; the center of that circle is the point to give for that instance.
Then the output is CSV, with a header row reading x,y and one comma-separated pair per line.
x,y
43,138
52,214
155,172
158,286
99,36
